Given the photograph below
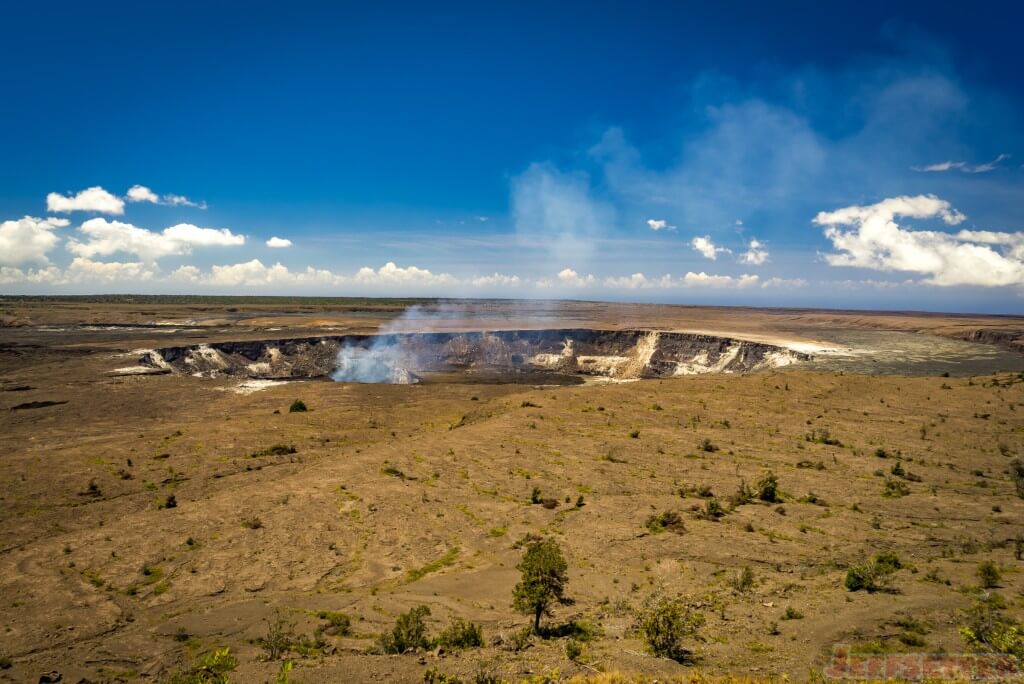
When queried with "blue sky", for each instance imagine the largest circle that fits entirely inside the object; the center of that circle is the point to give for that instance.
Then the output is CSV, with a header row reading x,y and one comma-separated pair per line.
x,y
862,155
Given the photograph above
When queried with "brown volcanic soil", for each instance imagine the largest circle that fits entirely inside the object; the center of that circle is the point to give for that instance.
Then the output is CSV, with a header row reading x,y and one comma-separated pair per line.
x,y
340,533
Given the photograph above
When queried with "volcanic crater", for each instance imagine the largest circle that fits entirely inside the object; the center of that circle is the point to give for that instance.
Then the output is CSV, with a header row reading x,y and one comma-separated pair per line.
x,y
502,355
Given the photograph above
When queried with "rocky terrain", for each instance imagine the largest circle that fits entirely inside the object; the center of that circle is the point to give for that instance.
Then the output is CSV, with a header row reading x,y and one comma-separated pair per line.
x,y
149,522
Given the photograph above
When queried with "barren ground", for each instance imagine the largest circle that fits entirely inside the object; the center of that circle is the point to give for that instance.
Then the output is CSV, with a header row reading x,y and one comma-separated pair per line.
x,y
404,495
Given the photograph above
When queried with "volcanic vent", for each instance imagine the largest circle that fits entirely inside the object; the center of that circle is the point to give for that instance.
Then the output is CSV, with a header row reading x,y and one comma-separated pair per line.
x,y
508,355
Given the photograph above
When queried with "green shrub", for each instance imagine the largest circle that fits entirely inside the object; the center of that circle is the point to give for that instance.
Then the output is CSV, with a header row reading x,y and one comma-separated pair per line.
x,y
392,471
768,488
664,624
744,580
298,406
712,511
280,637
988,574
822,436
435,676
669,520
874,575
213,668
409,632
338,624
461,634
792,614
742,496
988,630
573,650
894,489
1017,473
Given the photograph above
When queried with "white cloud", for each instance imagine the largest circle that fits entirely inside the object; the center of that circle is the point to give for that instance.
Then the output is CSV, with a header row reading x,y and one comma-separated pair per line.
x,y
48,275
497,279
180,201
705,246
391,274
755,255
632,282
707,280
28,240
962,166
83,269
255,273
659,224
877,242
248,273
186,274
569,277
784,282
94,199
279,243
140,193
107,237
689,280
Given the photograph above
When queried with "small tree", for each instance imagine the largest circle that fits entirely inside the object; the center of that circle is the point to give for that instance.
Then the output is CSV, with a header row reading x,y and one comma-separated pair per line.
x,y
298,406
543,580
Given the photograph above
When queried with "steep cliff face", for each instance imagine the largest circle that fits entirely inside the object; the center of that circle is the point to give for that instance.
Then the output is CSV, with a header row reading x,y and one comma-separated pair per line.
x,y
403,358
1007,339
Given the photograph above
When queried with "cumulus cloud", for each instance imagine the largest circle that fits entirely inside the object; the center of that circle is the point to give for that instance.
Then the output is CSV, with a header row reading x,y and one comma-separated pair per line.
x,y
140,193
248,273
94,199
28,240
255,273
50,275
392,274
962,166
689,280
83,269
659,224
496,279
571,278
705,246
108,237
755,255
631,282
703,279
279,243
876,241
